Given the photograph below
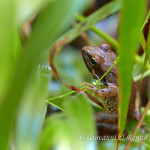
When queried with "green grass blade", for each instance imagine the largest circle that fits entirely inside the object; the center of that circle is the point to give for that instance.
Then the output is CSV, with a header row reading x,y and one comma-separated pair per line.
x,y
146,20
142,40
115,62
141,37
132,15
147,55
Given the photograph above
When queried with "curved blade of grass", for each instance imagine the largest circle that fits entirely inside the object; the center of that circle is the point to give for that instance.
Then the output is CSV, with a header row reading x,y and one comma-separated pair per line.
x,y
141,38
132,15
49,26
146,20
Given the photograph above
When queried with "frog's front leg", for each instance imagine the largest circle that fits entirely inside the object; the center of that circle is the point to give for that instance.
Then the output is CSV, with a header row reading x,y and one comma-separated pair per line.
x,y
109,90
109,95
107,124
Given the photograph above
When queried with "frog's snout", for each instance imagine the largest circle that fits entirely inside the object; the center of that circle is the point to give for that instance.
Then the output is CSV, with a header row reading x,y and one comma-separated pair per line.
x,y
87,50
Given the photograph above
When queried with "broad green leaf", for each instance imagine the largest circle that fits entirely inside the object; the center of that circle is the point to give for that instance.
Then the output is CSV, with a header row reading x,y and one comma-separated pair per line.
x,y
49,26
7,25
31,113
131,20
77,114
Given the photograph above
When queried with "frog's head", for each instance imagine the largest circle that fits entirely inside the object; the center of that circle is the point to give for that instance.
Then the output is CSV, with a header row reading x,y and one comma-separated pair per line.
x,y
98,59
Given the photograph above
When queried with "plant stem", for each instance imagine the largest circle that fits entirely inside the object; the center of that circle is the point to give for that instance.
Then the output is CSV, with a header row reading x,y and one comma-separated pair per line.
x,y
115,62
102,34
61,96
146,20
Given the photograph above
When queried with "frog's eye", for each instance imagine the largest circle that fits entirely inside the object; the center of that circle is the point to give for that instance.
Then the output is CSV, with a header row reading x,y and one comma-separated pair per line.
x,y
93,61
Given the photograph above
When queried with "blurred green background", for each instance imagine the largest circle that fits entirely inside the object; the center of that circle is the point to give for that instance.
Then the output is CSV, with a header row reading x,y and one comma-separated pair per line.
x,y
35,113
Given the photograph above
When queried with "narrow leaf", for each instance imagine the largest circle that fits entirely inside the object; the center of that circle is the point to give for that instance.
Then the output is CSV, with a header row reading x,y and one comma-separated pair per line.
x,y
147,54
142,41
132,15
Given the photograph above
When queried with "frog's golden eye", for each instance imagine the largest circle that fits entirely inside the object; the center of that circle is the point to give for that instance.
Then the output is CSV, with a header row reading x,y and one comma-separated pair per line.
x,y
93,61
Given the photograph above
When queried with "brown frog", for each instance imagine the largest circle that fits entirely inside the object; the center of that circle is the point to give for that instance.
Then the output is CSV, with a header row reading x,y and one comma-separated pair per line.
x,y
98,60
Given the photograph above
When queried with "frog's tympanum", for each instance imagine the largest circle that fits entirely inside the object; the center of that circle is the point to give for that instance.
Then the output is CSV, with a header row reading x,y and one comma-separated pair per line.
x,y
98,60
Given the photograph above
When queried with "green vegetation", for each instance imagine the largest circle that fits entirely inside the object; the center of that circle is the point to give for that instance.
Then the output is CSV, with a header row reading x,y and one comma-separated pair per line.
x,y
27,85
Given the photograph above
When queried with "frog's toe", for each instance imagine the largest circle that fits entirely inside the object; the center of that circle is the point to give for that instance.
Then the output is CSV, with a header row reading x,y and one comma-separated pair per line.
x,y
88,84
93,89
